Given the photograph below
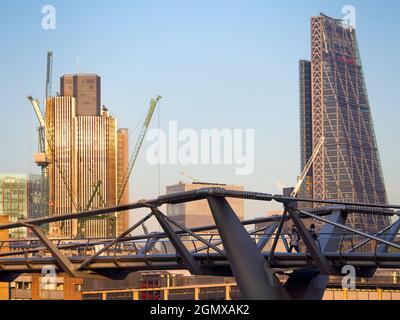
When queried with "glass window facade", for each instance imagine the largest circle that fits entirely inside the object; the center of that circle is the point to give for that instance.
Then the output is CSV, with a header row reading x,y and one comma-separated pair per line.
x,y
348,166
20,198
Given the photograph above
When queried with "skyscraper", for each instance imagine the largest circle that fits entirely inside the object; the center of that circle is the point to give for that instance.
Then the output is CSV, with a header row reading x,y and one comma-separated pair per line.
x,y
306,147
85,165
334,105
122,166
86,88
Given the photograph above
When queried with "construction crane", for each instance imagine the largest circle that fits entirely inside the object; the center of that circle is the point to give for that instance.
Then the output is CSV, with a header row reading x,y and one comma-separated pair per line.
x,y
135,153
82,221
187,176
41,157
95,191
139,142
307,168
49,73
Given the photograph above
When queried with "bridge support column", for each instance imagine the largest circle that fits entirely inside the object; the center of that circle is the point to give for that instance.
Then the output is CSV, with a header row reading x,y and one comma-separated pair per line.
x,y
255,279
331,235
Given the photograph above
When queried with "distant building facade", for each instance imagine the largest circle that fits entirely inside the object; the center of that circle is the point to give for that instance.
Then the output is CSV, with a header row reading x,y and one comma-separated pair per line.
x,y
334,105
197,213
20,198
122,166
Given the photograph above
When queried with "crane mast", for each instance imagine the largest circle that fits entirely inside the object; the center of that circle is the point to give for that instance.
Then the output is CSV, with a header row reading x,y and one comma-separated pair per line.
x,y
49,73
42,156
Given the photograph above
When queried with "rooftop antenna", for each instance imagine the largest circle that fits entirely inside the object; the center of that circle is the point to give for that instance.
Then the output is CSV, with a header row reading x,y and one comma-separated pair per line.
x,y
77,65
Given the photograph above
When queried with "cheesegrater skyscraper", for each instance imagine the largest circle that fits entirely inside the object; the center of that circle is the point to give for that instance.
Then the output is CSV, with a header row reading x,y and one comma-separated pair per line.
x,y
334,105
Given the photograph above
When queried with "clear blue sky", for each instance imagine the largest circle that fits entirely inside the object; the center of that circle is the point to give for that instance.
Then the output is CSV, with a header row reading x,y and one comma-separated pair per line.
x,y
218,64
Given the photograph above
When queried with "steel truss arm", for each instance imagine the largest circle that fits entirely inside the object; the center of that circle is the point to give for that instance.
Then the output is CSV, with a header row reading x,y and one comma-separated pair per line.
x,y
217,243
150,243
318,257
208,244
389,236
61,260
278,232
268,232
180,248
366,235
116,240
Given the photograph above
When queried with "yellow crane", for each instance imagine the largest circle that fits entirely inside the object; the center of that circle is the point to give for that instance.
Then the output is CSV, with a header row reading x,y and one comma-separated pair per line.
x,y
95,191
307,168
138,145
135,153
187,176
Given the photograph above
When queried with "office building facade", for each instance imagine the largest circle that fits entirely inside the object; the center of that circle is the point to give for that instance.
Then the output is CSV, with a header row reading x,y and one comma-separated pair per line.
x,y
334,105
20,198
306,147
86,88
83,167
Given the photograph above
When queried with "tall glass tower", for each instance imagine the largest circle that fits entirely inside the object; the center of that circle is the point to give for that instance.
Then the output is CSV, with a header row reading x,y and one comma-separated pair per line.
x,y
334,105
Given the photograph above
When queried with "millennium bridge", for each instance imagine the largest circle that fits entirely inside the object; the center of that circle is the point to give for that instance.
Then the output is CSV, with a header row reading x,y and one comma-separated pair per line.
x,y
227,248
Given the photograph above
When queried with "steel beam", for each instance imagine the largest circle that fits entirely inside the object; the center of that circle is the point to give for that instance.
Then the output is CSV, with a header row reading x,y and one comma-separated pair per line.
x,y
359,245
319,259
366,235
180,248
149,245
268,232
254,278
61,260
217,243
116,240
278,232
285,243
208,244
390,236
